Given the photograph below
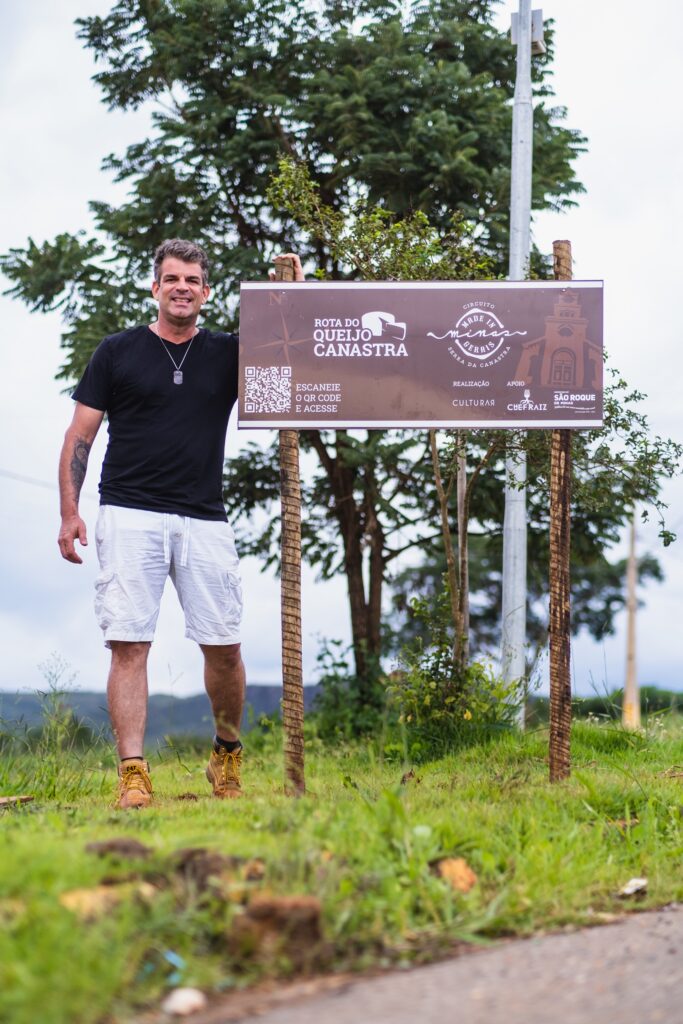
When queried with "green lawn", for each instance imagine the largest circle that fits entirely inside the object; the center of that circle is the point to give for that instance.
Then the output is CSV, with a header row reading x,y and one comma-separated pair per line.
x,y
361,842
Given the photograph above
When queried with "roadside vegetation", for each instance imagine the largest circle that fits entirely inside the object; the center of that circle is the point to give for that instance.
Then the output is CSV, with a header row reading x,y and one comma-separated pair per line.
x,y
384,862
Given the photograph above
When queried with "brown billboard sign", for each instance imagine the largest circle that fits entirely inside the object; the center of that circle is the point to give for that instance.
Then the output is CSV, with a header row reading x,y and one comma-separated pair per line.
x,y
421,354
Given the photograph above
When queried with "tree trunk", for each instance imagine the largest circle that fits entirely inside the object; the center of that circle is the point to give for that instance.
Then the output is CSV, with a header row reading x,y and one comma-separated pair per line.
x,y
453,587
463,652
342,478
375,535
353,561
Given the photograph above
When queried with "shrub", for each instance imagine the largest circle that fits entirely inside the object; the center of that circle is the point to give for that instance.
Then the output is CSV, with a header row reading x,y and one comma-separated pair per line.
x,y
439,706
345,706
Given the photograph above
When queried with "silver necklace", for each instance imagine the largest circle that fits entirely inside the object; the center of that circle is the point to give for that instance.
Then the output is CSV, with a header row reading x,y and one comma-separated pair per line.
x,y
177,372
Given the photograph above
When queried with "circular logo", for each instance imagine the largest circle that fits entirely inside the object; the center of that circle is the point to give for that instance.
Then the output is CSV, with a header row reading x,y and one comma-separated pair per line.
x,y
479,333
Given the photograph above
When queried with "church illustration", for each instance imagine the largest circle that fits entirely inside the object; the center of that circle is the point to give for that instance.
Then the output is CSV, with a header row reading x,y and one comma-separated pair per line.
x,y
564,357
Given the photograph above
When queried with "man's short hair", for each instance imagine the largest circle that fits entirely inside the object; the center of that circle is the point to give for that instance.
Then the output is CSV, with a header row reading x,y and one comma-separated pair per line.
x,y
183,250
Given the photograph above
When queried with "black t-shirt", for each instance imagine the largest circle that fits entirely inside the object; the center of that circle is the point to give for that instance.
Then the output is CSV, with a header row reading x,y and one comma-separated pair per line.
x,y
166,440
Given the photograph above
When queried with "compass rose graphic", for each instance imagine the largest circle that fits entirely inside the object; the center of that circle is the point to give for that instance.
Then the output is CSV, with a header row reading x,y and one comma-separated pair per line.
x,y
283,342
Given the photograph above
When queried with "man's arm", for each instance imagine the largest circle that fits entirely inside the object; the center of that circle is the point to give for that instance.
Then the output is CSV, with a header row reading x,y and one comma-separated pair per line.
x,y
73,464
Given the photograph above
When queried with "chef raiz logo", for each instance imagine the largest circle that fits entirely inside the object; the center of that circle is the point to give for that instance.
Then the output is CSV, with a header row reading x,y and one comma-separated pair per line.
x,y
527,404
479,336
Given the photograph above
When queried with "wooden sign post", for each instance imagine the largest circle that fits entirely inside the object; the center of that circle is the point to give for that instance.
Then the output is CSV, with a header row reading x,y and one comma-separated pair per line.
x,y
559,574
410,354
290,596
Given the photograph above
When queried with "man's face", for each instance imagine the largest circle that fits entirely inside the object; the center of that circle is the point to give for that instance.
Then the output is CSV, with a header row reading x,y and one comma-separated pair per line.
x,y
179,291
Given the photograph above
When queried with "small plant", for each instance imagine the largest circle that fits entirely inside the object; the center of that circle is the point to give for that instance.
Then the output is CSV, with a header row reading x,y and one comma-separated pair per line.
x,y
265,734
61,757
346,706
440,705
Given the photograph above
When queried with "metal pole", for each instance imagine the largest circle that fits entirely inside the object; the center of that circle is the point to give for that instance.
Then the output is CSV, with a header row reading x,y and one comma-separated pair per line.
x,y
630,716
514,525
522,149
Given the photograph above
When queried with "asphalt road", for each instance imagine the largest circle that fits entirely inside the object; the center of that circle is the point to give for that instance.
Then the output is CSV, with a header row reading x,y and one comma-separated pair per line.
x,y
629,972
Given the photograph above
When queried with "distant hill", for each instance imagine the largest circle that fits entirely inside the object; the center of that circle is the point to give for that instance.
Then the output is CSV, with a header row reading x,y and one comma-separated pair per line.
x,y
168,715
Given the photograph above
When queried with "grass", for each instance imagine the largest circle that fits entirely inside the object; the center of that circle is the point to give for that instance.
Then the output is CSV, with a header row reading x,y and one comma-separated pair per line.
x,y
361,842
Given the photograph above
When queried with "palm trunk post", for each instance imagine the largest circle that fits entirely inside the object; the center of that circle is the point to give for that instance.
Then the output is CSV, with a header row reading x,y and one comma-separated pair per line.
x,y
560,526
290,601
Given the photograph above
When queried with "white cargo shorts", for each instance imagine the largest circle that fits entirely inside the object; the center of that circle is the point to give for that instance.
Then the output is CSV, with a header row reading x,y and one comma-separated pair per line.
x,y
138,550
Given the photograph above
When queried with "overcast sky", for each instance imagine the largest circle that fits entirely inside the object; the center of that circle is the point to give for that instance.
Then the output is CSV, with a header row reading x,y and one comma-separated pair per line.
x,y
617,71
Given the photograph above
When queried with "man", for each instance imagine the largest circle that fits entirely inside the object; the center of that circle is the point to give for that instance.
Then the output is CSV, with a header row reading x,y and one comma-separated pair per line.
x,y
168,389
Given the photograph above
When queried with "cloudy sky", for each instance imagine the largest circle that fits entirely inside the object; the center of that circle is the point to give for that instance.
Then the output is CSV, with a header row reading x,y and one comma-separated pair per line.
x,y
618,72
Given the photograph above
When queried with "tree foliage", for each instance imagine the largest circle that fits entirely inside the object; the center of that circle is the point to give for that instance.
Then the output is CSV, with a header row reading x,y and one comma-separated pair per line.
x,y
398,116
405,104
376,489
371,489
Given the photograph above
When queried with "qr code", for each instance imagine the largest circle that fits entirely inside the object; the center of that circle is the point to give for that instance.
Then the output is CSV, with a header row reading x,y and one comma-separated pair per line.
x,y
268,389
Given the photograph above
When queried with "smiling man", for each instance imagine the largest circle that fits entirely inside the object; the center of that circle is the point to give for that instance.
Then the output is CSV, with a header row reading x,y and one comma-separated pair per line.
x,y
168,389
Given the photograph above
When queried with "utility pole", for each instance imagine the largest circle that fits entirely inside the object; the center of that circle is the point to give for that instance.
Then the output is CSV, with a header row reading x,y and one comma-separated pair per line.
x,y
514,525
630,715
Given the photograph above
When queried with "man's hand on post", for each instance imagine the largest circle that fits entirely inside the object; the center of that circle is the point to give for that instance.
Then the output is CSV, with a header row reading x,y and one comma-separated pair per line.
x,y
298,269
73,528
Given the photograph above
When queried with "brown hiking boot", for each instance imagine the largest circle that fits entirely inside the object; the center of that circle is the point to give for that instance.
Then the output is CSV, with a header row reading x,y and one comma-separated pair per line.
x,y
223,772
135,786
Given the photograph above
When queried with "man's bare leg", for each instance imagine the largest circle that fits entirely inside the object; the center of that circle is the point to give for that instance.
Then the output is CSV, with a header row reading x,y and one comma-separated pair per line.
x,y
127,696
225,681
225,684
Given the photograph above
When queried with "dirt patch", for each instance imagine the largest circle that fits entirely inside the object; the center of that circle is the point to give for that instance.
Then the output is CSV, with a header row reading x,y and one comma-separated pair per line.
x,y
123,849
200,868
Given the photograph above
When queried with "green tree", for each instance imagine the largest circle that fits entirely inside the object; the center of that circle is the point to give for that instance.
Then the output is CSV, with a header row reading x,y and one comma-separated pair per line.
x,y
367,488
377,491
407,104
614,469
403,107
597,588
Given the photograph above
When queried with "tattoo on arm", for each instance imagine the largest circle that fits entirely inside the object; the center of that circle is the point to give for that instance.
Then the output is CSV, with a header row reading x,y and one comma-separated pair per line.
x,y
79,464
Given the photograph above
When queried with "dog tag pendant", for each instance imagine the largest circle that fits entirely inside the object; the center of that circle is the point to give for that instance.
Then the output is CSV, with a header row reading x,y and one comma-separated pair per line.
x,y
177,376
